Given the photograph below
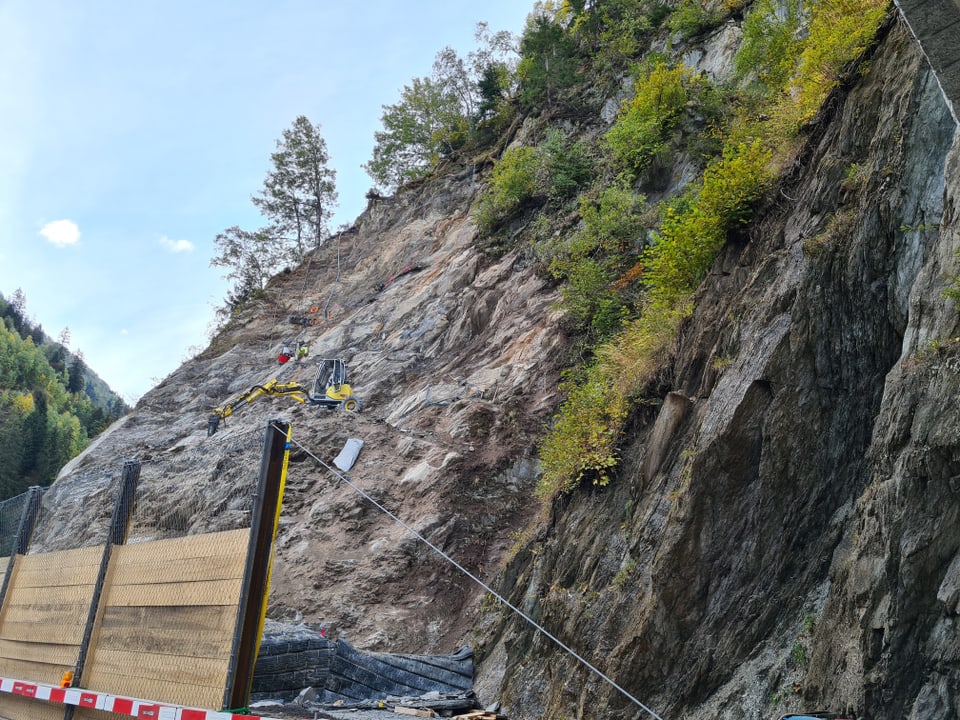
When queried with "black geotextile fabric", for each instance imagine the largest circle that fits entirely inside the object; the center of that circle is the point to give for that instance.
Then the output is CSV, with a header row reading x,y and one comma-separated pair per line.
x,y
294,658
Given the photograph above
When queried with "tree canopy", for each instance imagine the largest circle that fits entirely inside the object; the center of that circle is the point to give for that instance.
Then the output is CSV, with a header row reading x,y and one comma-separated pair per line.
x,y
299,192
50,402
297,200
437,114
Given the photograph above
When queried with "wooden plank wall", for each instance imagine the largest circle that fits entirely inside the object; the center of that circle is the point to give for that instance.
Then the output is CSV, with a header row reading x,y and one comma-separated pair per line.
x,y
45,612
42,621
164,628
167,620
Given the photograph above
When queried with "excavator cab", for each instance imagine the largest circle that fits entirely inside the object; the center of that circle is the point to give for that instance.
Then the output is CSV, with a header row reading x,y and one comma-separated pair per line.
x,y
330,390
330,387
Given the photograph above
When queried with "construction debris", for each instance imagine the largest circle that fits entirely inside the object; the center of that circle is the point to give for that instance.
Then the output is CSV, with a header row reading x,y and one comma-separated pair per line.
x,y
348,456
415,712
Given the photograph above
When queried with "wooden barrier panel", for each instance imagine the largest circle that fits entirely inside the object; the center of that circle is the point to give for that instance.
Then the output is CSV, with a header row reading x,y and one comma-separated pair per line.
x,y
45,611
167,618
164,623
42,623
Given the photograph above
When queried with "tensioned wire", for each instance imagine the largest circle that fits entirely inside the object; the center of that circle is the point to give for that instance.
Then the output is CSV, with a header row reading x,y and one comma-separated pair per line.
x,y
573,653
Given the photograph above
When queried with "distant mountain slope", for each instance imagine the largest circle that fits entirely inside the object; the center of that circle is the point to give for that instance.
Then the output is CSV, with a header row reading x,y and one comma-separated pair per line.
x,y
51,403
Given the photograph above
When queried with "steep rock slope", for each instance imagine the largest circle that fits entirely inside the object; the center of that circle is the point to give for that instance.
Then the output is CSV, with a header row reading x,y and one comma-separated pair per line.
x,y
456,366
783,531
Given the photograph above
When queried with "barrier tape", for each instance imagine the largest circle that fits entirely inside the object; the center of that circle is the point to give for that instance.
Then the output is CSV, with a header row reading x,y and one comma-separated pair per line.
x,y
132,707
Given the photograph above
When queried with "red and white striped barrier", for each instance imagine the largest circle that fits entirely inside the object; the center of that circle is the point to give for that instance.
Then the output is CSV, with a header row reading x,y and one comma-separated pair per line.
x,y
132,707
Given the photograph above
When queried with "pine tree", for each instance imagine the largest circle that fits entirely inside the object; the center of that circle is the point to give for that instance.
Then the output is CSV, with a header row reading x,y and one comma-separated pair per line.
x,y
299,193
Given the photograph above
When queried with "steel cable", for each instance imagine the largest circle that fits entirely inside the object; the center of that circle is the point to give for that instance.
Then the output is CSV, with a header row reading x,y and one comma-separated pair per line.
x,y
533,623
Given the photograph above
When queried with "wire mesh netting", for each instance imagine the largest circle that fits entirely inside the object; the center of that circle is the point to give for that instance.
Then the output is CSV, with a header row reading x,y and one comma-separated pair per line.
x,y
77,517
185,493
220,497
11,512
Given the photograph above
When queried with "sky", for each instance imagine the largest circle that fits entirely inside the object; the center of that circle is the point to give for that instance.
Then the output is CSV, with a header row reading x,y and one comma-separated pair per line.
x,y
131,133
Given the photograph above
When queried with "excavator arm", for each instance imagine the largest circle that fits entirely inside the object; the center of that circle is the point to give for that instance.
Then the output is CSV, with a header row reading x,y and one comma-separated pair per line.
x,y
292,390
330,390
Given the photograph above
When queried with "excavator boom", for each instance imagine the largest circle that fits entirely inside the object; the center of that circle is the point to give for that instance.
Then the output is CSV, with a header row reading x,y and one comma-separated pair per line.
x,y
330,390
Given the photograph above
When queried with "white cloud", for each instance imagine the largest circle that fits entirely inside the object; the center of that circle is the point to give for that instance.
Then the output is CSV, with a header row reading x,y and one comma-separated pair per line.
x,y
176,246
61,232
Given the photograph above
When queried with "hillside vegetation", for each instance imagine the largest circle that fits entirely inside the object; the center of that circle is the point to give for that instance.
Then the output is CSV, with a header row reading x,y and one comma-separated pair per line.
x,y
597,205
51,403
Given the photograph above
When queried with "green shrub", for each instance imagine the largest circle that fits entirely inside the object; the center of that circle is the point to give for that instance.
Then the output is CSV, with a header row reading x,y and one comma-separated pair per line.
x,y
631,359
554,170
952,292
589,299
593,258
645,123
513,184
691,17
689,240
615,222
839,34
771,45
515,177
567,166
583,439
611,32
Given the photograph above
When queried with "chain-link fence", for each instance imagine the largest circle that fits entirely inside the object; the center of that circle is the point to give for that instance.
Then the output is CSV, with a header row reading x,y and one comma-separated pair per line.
x,y
219,497
11,515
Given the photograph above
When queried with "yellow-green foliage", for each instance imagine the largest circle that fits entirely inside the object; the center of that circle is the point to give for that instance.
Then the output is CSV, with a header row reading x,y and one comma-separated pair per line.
x,y
771,44
952,292
583,440
515,178
840,31
584,435
692,16
612,31
631,359
646,121
614,222
689,240
514,182
593,258
553,171
588,428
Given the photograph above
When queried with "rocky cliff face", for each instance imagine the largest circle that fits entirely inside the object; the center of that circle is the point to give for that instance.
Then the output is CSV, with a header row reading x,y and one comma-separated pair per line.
x,y
455,356
783,530
783,533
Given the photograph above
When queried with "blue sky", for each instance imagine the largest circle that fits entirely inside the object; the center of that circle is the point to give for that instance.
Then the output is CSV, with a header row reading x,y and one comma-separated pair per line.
x,y
131,133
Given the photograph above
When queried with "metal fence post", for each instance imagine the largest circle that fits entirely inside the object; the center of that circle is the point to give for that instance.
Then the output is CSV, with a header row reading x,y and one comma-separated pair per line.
x,y
256,576
28,521
119,525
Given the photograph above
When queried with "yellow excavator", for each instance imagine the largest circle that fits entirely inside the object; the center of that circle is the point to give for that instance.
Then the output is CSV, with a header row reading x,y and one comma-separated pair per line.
x,y
330,391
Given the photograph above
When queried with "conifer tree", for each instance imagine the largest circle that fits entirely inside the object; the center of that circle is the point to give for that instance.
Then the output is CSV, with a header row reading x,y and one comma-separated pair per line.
x,y
297,201
299,193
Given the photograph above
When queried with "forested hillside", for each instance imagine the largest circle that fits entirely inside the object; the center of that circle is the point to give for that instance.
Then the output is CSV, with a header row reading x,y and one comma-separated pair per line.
x,y
51,403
